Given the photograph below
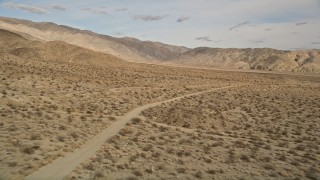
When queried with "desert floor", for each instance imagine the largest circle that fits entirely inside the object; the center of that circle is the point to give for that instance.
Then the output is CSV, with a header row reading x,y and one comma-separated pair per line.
x,y
265,126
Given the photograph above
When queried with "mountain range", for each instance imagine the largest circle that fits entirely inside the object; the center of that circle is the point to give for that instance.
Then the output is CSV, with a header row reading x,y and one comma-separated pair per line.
x,y
134,50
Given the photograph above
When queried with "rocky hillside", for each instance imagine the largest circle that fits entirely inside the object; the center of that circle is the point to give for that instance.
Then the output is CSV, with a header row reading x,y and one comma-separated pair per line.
x,y
15,47
256,59
134,50
129,49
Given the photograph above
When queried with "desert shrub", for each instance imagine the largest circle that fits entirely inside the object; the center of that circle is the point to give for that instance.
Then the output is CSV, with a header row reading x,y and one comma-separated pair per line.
x,y
269,166
216,144
28,150
61,138
208,160
120,166
232,157
152,138
136,120
137,173
198,174
211,171
133,158
12,164
295,163
300,147
239,144
160,167
181,153
185,141
89,166
312,174
283,144
148,147
245,157
150,170
98,174
132,178
125,131
291,151
62,127
163,129
70,119
74,135
282,158
35,136
181,170
83,118
12,128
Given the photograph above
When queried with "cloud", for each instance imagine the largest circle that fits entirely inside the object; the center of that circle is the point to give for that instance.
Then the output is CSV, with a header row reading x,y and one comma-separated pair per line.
x,y
258,41
59,7
301,23
268,29
294,33
315,43
204,38
121,9
118,34
239,25
28,8
148,17
182,18
95,10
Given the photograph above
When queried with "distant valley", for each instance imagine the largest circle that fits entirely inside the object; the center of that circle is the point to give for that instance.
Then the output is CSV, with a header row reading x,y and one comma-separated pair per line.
x,y
134,50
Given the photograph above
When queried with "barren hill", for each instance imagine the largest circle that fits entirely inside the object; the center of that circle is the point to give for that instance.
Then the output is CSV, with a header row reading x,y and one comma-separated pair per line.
x,y
129,49
257,59
7,36
18,47
134,50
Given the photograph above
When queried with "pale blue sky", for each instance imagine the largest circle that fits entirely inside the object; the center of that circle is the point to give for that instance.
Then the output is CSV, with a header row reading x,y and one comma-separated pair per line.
x,y
281,24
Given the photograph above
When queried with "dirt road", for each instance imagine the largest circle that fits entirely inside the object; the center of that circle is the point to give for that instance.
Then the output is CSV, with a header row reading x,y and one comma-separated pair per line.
x,y
63,166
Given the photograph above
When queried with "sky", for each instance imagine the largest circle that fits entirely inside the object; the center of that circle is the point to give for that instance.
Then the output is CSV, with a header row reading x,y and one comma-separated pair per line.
x,y
279,24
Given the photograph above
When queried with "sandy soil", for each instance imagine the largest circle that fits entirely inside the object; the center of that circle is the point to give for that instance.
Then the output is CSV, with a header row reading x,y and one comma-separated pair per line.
x,y
266,132
50,107
63,166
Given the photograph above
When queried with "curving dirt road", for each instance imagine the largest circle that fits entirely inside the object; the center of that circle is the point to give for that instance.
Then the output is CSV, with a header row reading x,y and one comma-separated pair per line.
x,y
63,166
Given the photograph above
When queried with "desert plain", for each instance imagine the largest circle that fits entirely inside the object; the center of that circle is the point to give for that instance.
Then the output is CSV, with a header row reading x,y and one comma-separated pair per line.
x,y
179,123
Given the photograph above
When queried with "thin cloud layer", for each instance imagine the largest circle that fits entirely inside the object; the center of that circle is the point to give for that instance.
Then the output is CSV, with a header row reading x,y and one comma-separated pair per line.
x,y
183,18
301,23
118,34
149,17
239,25
28,8
204,38
121,9
95,10
258,40
59,7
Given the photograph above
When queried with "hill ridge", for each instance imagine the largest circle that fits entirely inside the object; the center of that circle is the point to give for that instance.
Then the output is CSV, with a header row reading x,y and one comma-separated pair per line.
x,y
135,50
